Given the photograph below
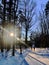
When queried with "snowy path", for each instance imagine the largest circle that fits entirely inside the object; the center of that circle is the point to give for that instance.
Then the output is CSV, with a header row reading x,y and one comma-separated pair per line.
x,y
31,60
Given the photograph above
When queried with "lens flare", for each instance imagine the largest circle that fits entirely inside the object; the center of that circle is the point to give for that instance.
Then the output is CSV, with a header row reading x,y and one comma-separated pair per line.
x,y
11,34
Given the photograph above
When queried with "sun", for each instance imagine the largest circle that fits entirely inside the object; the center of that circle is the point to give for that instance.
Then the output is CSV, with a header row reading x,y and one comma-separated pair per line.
x,y
11,34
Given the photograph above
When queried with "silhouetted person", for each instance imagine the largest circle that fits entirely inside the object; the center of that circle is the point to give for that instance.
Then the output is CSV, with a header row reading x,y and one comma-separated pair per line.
x,y
34,46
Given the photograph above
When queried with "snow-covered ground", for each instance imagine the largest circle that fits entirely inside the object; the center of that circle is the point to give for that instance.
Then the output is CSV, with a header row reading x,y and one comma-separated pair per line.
x,y
8,59
42,52
24,59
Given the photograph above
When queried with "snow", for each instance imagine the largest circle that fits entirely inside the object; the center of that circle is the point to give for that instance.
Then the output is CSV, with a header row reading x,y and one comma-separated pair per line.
x,y
24,59
42,52
8,59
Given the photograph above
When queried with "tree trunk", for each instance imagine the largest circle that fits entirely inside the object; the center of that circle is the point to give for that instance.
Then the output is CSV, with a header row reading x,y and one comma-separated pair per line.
x,y
26,35
13,51
20,49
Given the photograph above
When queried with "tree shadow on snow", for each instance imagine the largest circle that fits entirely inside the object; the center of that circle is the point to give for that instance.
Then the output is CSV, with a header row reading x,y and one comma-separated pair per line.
x,y
23,61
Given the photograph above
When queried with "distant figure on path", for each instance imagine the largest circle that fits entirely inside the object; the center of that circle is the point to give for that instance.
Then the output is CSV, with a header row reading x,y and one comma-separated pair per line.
x,y
34,46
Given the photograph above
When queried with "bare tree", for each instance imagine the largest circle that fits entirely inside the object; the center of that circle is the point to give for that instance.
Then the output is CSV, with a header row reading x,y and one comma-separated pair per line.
x,y
43,23
26,17
1,19
47,14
